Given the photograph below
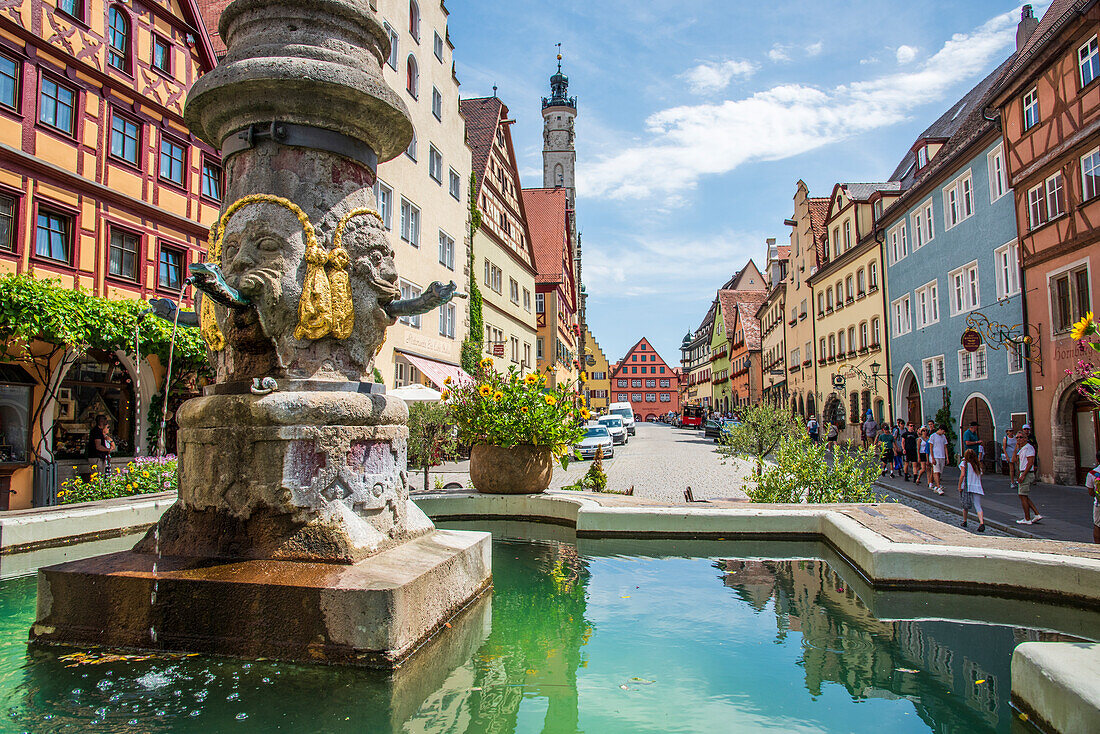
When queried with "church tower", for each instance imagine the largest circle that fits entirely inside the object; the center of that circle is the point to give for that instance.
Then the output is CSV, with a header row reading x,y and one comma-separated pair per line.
x,y
559,156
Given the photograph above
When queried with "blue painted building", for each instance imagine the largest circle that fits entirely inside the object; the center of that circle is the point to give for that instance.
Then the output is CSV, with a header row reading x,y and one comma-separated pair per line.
x,y
951,252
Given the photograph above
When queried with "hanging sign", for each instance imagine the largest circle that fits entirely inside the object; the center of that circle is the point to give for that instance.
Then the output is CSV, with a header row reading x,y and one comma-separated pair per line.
x,y
971,340
498,349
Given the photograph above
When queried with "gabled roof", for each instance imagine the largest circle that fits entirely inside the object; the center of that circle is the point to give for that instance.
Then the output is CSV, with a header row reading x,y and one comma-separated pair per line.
x,y
784,252
211,11
750,325
864,191
1058,14
482,116
650,350
746,302
819,210
546,218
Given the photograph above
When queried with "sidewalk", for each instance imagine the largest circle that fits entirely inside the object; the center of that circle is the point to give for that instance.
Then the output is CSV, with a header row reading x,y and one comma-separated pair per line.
x,y
1066,510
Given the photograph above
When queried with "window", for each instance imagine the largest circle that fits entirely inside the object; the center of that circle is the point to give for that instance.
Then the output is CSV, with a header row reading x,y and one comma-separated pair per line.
x,y
651,397
435,164
841,345
872,269
53,236
437,104
394,40
666,398
820,302
824,354
836,242
1088,61
1070,297
211,180
965,294
446,250
651,383
899,242
903,317
414,20
493,277
125,138
122,259
958,200
527,300
1056,197
998,177
172,156
1031,108
74,8
57,106
411,150
410,222
412,77
829,298
847,235
7,223
1007,261
437,47
665,383
118,39
832,346
538,355
972,365
863,335
455,185
170,268
1046,201
849,294
935,374
540,303
1090,174
408,290
861,282
9,83
922,156
162,55
447,320
928,305
513,291
384,195
1015,358
876,332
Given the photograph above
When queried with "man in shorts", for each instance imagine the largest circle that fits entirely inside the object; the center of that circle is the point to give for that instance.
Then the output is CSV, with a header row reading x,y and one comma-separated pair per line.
x,y
870,429
1092,484
1025,460
938,444
909,441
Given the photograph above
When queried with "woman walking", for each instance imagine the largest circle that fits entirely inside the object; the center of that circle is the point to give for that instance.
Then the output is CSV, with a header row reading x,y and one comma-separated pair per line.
x,y
970,487
924,468
1009,449
831,436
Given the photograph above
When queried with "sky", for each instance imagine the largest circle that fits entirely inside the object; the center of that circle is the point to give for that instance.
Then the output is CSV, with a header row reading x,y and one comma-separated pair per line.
x,y
696,120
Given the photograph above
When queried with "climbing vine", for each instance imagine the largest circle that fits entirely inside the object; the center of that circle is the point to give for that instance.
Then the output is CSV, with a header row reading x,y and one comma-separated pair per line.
x,y
472,344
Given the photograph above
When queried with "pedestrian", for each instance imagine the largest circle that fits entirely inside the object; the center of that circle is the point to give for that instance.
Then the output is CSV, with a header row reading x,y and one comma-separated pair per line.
x,y
970,487
1008,455
1025,478
909,442
831,435
1094,491
870,430
100,446
938,443
970,438
899,447
812,429
885,443
924,468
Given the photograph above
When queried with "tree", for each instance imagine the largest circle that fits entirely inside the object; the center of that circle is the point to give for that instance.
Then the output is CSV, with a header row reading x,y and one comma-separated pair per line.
x,y
804,471
761,429
431,436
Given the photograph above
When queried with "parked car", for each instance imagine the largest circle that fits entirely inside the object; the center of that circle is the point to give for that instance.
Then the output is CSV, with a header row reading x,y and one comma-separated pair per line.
x,y
624,411
596,437
615,426
715,428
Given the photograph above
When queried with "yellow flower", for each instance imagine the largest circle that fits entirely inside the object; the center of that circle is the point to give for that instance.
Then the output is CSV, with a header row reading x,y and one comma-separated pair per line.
x,y
1083,328
487,362
532,378
129,488
485,391
145,474
550,400
498,395
446,393
118,470
95,476
585,414
581,401
523,409
447,380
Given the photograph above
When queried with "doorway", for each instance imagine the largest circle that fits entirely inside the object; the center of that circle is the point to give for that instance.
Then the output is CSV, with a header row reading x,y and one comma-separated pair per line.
x,y
911,391
977,409
1086,429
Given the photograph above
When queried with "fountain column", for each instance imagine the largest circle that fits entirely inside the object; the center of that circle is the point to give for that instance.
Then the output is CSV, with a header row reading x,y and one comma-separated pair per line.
x,y
294,536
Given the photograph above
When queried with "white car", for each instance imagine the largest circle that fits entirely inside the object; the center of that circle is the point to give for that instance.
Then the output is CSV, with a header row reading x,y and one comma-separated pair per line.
x,y
596,437
624,411
615,426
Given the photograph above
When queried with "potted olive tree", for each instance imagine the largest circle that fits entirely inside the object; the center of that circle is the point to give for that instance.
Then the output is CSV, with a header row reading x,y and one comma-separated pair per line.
x,y
518,428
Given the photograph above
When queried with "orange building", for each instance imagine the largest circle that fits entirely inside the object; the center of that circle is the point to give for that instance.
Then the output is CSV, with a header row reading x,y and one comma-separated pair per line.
x,y
1049,102
102,187
742,331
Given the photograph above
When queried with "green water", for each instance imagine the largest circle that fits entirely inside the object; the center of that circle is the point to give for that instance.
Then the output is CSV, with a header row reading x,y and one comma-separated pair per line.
x,y
598,639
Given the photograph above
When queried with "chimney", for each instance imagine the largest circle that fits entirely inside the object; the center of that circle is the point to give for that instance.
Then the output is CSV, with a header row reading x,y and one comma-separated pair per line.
x,y
1028,24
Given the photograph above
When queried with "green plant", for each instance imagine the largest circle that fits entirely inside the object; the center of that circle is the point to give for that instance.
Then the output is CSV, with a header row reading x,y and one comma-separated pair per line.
x,y
944,418
804,471
761,429
376,375
595,479
474,341
431,436
143,475
506,409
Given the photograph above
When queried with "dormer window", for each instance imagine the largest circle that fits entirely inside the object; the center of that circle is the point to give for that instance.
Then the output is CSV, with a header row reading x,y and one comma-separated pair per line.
x,y
922,157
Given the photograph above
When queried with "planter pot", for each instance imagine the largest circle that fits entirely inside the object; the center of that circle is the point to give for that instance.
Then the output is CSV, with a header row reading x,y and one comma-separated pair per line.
x,y
520,469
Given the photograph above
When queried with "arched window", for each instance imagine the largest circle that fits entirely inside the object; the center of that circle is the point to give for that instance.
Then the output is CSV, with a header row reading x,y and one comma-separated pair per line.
x,y
839,294
412,77
861,282
853,407
848,294
832,345
414,20
875,331
840,343
118,39
829,298
851,338
863,335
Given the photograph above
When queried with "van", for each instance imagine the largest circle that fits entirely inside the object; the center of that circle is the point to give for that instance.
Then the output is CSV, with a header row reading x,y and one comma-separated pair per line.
x,y
624,411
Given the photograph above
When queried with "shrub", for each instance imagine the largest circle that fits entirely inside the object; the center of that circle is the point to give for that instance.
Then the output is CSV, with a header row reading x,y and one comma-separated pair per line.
x,y
761,429
143,475
595,479
805,471
431,436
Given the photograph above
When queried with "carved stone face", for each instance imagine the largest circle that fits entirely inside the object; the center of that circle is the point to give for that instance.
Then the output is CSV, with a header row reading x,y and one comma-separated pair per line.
x,y
373,284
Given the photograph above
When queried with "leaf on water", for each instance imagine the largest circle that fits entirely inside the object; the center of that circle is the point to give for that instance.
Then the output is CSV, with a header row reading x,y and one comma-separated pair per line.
x,y
625,597
979,681
624,687
643,681
906,670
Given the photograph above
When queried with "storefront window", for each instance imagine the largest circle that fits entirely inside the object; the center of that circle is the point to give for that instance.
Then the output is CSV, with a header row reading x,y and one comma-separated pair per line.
x,y
96,385
15,408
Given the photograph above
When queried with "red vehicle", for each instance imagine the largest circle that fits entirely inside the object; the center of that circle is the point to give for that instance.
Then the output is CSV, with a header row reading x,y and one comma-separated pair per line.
x,y
692,417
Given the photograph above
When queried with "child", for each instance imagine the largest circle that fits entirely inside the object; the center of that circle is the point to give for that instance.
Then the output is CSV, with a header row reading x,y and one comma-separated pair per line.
x,y
970,487
886,447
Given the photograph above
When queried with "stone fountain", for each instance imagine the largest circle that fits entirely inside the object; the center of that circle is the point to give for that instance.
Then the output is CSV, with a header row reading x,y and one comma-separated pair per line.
x,y
294,536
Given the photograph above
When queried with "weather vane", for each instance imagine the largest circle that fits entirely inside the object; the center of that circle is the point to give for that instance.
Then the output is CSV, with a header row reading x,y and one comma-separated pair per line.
x,y
559,56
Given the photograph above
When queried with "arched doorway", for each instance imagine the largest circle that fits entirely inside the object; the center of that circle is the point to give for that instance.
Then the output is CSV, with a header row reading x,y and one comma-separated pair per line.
x,y
811,406
909,393
1086,434
97,384
977,409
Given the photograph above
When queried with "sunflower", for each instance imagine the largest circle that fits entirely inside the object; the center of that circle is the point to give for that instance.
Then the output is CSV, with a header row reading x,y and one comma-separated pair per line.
x,y
585,414
447,380
550,400
498,395
445,394
485,391
523,409
1083,328
532,378
487,362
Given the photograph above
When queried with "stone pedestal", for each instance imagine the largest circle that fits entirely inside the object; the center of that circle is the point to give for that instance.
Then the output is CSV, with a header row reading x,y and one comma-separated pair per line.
x,y
373,613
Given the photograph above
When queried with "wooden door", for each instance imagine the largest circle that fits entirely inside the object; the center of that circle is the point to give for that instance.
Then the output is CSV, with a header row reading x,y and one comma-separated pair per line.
x,y
913,398
977,410
1086,429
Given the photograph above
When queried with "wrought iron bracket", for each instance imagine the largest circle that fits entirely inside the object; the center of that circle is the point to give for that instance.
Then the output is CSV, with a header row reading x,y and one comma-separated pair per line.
x,y
1018,336
301,136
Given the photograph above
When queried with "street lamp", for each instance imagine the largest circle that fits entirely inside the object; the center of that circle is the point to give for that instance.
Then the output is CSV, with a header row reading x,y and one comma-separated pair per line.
x,y
875,367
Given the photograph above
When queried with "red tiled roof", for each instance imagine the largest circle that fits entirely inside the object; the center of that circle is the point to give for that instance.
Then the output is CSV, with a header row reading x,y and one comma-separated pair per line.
x,y
482,116
784,252
211,11
1058,10
747,302
546,213
819,210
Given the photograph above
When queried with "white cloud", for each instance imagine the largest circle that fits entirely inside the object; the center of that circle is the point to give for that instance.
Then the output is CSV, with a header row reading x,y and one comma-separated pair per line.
x,y
815,49
906,54
711,77
869,60
689,142
779,53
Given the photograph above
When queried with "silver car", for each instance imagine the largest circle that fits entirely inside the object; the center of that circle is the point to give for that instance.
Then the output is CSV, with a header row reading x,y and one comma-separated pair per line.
x,y
616,427
596,437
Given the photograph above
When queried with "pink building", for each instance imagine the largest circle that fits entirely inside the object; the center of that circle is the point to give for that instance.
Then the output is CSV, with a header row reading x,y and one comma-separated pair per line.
x,y
643,379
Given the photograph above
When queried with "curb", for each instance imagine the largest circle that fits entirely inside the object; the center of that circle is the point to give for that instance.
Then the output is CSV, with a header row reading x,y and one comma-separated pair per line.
x,y
942,505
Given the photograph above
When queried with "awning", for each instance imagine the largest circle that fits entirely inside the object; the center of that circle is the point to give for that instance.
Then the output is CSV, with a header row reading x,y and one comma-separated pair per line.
x,y
416,393
438,372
